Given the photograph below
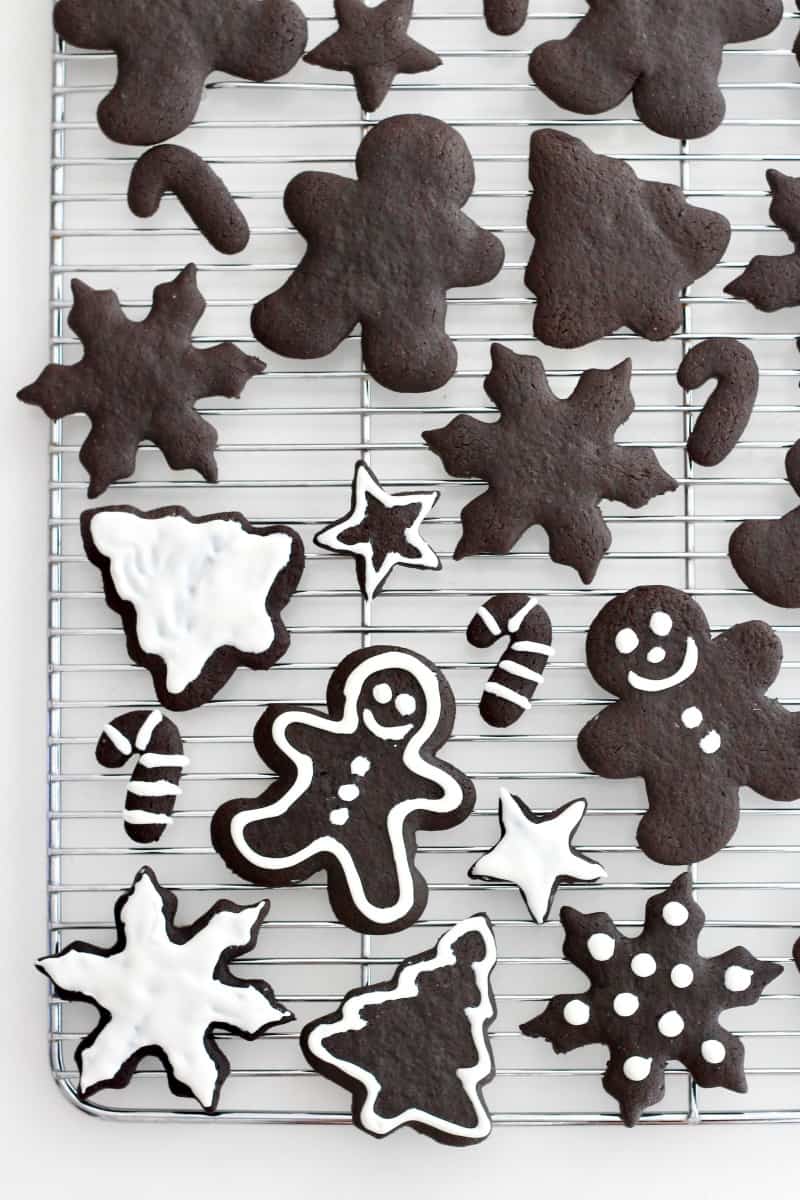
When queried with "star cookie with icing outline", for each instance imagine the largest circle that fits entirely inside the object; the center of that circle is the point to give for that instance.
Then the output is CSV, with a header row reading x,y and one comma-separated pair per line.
x,y
140,380
372,43
548,461
382,531
164,989
536,854
653,999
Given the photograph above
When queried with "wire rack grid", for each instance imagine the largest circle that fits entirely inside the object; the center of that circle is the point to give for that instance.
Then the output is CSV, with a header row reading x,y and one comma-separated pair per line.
x,y
286,454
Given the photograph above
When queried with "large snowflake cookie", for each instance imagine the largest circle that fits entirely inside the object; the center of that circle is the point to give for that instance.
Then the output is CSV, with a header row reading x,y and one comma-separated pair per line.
x,y
383,250
653,998
691,720
164,989
669,55
415,1051
198,596
167,49
772,281
548,461
140,380
766,553
610,249
354,784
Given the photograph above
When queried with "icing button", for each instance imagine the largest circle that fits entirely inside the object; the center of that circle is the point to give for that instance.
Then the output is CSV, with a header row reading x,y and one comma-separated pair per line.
x,y
625,1004
601,947
636,1068
675,913
691,717
360,765
348,792
339,816
643,965
670,1025
576,1012
681,975
713,1052
738,979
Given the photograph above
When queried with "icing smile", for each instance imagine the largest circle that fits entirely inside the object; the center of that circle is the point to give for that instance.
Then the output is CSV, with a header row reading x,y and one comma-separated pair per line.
x,y
386,732
644,683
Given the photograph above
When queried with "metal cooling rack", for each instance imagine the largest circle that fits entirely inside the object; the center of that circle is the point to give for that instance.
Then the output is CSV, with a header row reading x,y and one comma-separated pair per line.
x,y
286,454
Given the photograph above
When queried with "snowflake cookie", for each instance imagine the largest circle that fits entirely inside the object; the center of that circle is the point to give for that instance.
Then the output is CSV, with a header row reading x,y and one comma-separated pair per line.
x,y
415,1051
164,989
653,998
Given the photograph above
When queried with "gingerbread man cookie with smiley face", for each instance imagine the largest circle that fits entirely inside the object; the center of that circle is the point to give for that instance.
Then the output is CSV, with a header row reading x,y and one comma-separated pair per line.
x,y
354,785
692,719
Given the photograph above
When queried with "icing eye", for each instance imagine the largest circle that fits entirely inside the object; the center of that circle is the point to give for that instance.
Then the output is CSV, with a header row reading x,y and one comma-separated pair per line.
x,y
656,655
381,693
626,641
405,704
661,624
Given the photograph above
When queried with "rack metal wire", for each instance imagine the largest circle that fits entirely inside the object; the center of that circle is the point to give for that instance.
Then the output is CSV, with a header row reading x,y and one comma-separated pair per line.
x,y
286,453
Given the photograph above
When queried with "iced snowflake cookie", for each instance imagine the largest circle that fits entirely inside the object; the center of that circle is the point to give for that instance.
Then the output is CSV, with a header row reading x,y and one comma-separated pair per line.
x,y
548,462
610,249
772,281
166,51
523,622
140,380
766,553
668,55
727,410
535,852
692,719
653,998
199,189
415,1051
165,989
354,784
154,785
198,596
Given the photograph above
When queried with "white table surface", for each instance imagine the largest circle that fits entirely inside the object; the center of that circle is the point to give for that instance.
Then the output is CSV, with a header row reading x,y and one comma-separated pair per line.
x,y
48,1148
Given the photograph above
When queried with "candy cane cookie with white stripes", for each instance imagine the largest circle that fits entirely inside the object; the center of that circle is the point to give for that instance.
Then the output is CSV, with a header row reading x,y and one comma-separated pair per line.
x,y
153,786
510,687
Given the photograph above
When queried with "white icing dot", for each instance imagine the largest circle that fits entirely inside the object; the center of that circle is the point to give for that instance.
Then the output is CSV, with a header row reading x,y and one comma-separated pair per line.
x,y
661,624
360,765
711,743
675,913
339,816
601,947
670,1025
626,641
625,1004
656,655
348,792
713,1052
405,704
576,1012
643,965
691,717
682,975
636,1068
381,693
738,979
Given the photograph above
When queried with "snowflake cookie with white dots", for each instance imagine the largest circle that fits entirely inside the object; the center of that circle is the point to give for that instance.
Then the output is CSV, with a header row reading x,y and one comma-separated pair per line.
x,y
692,719
653,998
354,784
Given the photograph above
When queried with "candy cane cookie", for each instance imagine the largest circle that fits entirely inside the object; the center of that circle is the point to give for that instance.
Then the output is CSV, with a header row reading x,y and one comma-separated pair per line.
x,y
510,688
153,786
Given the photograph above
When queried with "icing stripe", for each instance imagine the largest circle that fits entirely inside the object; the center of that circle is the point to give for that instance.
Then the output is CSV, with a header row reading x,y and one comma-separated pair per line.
x,y
118,740
489,621
158,787
150,760
514,668
532,648
138,816
497,689
515,621
146,729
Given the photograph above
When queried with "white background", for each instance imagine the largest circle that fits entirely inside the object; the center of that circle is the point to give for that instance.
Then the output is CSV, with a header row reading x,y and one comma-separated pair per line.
x,y
47,1147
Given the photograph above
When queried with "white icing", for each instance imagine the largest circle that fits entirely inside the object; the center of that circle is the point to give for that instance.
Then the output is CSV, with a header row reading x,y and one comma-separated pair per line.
x,y
450,797
339,816
543,648
514,668
601,947
515,622
387,733
713,1052
661,624
489,621
118,740
671,1024
164,993
147,728
381,693
153,787
405,704
711,743
643,683
738,979
576,1012
643,965
150,761
348,792
497,689
534,855
656,655
625,1004
692,717
626,641
360,765
675,913
682,975
471,1077
137,816
636,1068
195,587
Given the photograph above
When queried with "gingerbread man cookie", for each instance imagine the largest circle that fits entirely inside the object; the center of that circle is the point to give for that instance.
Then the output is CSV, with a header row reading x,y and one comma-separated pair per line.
x,y
354,784
692,719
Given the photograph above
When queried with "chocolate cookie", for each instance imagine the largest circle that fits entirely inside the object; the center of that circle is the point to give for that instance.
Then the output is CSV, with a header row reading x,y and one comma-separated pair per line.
x,y
548,462
521,620
691,720
382,251
354,785
415,1050
166,51
652,999
372,43
668,55
772,281
727,410
164,990
382,531
766,554
611,249
505,17
198,596
199,189
140,380
154,785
